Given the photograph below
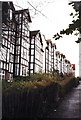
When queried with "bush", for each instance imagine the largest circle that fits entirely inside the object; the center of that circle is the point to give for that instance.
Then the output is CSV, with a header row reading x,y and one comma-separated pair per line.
x,y
23,99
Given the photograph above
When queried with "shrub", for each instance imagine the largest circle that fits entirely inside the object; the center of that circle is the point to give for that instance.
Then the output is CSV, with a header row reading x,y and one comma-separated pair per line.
x,y
35,98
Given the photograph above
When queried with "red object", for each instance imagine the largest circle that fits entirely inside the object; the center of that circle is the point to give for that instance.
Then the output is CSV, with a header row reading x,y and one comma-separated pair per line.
x,y
73,66
53,44
6,75
57,52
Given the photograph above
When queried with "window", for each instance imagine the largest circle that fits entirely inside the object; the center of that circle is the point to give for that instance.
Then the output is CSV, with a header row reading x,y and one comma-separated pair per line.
x,y
8,44
32,59
17,49
32,52
31,71
32,45
3,65
26,54
0,64
17,59
11,67
11,58
16,69
32,41
10,14
31,66
23,70
18,41
3,41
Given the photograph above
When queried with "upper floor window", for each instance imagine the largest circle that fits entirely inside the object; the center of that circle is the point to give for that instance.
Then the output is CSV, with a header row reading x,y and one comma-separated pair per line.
x,y
10,14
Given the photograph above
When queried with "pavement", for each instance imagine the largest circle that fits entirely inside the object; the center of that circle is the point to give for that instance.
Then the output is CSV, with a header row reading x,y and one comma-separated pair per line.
x,y
70,107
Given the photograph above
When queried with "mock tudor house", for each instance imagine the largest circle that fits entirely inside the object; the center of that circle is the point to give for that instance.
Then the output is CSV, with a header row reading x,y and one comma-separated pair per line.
x,y
48,56
8,40
21,50
22,42
62,63
53,56
57,65
35,52
73,69
15,41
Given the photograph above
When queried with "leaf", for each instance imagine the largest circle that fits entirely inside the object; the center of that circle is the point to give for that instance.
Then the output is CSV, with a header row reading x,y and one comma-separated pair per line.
x,y
71,14
70,3
75,25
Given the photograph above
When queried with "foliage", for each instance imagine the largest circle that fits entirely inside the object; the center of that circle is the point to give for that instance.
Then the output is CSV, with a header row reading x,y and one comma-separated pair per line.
x,y
34,98
75,23
38,80
70,74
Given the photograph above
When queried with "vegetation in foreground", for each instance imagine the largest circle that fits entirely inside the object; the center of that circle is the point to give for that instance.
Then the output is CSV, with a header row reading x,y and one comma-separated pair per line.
x,y
34,96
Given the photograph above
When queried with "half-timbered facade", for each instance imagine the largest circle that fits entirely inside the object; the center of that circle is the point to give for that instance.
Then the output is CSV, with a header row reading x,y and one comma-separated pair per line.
x,y
62,64
35,52
53,56
73,69
48,56
21,50
57,65
14,53
22,42
8,40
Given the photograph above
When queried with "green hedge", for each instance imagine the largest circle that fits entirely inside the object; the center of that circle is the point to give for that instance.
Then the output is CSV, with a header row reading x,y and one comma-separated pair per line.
x,y
33,99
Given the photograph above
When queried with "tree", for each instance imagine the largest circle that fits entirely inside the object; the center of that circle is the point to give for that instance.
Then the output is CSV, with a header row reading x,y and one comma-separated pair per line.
x,y
76,24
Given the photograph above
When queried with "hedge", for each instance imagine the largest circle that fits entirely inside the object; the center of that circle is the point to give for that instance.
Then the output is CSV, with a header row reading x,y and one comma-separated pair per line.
x,y
33,99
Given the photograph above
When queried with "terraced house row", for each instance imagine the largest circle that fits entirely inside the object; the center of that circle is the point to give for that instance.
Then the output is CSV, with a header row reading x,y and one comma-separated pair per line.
x,y
24,52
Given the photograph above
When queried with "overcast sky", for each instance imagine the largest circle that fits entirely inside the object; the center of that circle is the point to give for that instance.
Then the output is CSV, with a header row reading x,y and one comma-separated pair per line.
x,y
54,17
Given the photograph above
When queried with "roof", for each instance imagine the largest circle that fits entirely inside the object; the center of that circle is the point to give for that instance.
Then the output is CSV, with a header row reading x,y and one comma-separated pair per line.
x,y
73,66
49,41
62,54
24,11
34,33
12,6
67,61
7,5
57,52
53,44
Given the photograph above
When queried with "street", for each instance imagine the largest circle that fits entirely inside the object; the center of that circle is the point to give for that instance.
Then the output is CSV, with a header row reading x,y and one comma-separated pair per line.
x,y
70,107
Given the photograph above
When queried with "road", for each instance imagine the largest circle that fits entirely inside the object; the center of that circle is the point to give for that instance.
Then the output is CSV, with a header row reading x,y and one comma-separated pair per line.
x,y
70,107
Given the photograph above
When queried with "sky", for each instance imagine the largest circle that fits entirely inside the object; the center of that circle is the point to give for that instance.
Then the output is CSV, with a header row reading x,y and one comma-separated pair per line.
x,y
50,17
